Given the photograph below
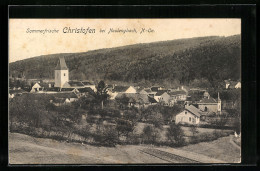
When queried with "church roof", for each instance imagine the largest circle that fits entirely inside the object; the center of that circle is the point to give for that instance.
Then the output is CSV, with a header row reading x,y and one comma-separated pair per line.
x,y
207,100
61,64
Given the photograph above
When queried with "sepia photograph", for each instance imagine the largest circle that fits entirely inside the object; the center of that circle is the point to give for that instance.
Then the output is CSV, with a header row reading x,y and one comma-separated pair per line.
x,y
124,91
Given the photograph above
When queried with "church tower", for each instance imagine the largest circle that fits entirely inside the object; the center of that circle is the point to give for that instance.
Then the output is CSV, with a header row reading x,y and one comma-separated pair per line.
x,y
61,73
219,104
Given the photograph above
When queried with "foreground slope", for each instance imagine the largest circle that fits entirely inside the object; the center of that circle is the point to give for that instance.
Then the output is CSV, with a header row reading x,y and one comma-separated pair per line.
x,y
25,149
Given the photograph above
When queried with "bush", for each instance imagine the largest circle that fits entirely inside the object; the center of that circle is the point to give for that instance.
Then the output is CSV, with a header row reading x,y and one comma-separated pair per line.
x,y
175,134
150,134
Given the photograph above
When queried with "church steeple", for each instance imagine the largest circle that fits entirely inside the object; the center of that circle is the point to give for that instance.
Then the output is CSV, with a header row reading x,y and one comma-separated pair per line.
x,y
61,73
61,65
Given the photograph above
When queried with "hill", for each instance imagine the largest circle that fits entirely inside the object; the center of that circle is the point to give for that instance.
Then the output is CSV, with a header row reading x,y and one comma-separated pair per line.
x,y
210,58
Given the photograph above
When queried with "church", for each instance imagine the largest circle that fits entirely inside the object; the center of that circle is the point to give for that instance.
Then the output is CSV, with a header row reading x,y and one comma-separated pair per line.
x,y
61,73
62,78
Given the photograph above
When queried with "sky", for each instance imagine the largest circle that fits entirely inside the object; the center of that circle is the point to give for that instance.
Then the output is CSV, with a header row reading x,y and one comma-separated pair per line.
x,y
27,37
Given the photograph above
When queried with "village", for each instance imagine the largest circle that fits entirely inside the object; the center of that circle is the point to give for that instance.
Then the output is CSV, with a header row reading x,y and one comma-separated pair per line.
x,y
67,91
108,115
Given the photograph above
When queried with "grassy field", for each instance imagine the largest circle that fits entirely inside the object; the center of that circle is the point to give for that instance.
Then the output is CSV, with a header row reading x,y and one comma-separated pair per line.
x,y
24,149
220,149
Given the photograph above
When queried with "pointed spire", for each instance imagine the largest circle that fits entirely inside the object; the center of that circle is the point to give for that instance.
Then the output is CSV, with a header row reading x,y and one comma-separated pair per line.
x,y
218,96
61,64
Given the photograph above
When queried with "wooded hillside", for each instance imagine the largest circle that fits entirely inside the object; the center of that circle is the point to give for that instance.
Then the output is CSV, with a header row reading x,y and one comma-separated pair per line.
x,y
205,58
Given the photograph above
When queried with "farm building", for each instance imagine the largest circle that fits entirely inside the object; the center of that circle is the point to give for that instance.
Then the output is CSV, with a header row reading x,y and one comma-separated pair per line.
x,y
190,115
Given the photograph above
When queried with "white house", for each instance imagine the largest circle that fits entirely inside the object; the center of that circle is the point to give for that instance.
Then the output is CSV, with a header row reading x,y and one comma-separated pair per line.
x,y
36,88
190,115
121,89
163,97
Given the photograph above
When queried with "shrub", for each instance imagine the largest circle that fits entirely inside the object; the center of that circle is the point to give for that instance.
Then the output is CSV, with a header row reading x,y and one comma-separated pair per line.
x,y
175,134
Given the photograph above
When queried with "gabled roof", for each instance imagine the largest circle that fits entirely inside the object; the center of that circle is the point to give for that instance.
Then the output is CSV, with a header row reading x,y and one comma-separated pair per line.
x,y
45,85
207,100
52,89
61,65
84,90
120,88
76,84
193,110
67,89
155,88
160,92
151,100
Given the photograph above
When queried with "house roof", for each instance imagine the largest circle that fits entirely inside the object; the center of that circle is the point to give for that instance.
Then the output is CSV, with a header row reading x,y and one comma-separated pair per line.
x,y
61,65
45,85
193,110
155,88
133,97
151,100
160,92
180,92
207,100
76,84
53,89
120,88
67,89
84,90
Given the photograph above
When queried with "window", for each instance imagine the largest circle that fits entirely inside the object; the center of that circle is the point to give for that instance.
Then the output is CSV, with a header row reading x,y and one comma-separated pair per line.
x,y
185,112
206,109
64,74
189,118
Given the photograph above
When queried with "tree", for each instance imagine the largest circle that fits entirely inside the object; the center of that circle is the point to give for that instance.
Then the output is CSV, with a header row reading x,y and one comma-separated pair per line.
x,y
175,134
124,127
194,130
123,101
150,134
101,93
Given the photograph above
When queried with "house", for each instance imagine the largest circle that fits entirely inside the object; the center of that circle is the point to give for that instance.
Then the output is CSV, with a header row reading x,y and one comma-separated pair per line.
x,y
121,89
157,88
190,115
179,95
84,91
90,85
73,84
63,98
163,97
36,88
209,104
137,100
148,91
